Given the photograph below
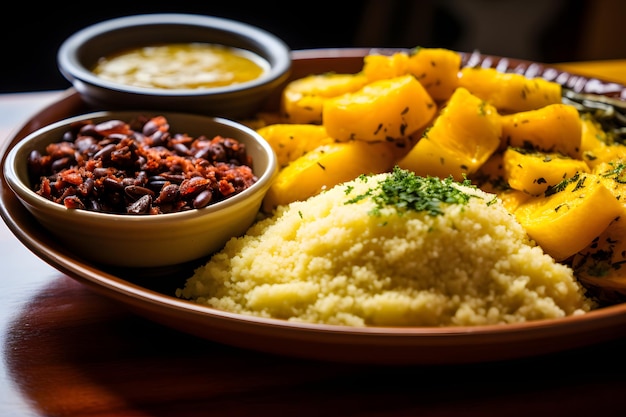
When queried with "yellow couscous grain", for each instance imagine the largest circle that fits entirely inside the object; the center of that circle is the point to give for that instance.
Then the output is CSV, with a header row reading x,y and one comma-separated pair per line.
x,y
344,258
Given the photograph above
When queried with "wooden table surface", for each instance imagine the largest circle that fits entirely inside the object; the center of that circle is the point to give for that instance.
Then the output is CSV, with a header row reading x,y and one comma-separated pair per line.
x,y
67,351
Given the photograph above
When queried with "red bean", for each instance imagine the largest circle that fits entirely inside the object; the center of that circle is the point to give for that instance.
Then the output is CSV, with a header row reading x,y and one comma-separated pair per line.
x,y
202,199
141,206
139,167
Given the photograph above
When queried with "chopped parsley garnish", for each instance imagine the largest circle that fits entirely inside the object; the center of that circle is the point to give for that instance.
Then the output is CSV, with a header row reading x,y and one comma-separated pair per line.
x,y
618,173
407,191
561,186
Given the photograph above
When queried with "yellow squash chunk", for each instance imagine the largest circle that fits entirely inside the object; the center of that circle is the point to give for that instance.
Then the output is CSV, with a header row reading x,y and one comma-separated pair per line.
x,y
593,135
593,138
428,158
490,178
602,264
597,147
613,176
534,172
380,67
464,135
566,221
437,69
468,124
510,92
553,128
325,167
512,199
609,153
381,111
291,141
302,99
490,175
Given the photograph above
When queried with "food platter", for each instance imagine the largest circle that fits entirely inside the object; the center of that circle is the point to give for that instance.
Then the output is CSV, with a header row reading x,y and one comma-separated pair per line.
x,y
150,292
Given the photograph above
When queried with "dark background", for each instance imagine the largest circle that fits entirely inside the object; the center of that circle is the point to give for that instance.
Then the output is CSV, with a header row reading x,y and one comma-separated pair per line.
x,y
541,30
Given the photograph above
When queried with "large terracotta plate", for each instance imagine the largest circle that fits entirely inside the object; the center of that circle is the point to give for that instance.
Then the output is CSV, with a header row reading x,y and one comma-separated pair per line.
x,y
150,292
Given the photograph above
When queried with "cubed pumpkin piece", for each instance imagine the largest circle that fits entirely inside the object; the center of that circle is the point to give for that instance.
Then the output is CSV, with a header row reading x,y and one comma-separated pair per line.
x,y
464,135
468,124
534,172
381,67
598,147
490,175
566,220
593,135
609,153
302,99
613,175
291,141
325,167
437,69
490,178
593,138
601,266
428,158
510,92
553,128
512,199
383,110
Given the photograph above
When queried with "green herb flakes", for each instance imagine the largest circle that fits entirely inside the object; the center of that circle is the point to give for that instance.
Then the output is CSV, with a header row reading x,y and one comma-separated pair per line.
x,y
407,191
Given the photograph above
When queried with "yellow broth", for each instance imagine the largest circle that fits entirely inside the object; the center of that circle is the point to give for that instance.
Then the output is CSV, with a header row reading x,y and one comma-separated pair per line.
x,y
181,66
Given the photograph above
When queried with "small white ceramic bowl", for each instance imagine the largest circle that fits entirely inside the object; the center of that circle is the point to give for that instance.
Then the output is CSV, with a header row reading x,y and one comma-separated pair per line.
x,y
146,240
78,55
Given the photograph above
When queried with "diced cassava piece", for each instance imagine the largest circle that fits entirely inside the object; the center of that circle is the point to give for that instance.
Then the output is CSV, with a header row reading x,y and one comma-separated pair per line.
x,y
602,264
325,167
490,175
463,136
597,147
290,141
437,69
607,153
381,67
613,176
512,199
593,135
534,172
510,92
593,138
490,178
566,220
383,110
429,158
302,99
553,128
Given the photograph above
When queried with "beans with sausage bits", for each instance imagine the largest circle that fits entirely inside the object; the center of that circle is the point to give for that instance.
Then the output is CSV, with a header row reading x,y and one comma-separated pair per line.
x,y
139,167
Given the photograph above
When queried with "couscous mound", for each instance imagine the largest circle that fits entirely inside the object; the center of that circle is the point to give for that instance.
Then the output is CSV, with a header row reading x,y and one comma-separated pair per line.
x,y
390,249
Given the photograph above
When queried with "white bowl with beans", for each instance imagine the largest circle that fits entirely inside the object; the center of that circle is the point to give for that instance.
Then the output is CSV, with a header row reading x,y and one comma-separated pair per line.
x,y
139,188
175,62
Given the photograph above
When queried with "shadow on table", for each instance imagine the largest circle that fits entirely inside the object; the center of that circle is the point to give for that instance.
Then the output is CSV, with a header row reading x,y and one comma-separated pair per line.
x,y
73,352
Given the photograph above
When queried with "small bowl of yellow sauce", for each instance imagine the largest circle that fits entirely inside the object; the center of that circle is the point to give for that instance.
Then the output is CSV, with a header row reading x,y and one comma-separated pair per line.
x,y
182,66
177,62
